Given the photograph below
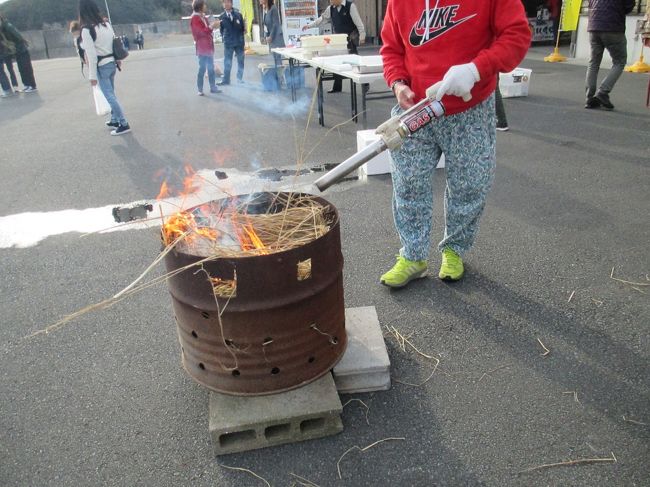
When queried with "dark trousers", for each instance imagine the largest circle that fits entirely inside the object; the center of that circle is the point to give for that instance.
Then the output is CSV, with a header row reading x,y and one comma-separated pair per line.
x,y
24,62
4,81
338,80
502,120
205,63
12,74
616,45
227,62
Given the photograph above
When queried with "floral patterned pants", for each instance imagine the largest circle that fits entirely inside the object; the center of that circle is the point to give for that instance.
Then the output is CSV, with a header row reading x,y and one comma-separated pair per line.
x,y
468,141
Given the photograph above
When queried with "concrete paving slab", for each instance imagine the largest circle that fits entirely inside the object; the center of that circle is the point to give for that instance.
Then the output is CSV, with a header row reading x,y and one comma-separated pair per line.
x,y
239,424
365,365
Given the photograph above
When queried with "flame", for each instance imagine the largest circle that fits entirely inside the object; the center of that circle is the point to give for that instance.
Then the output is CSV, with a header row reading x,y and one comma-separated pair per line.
x,y
190,181
184,224
246,235
164,191
254,241
190,185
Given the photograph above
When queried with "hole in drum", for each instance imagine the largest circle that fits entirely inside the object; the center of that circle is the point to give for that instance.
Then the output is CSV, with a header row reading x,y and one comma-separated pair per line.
x,y
205,314
267,341
236,373
229,343
312,425
304,269
275,371
334,340
229,439
277,431
194,334
201,366
311,359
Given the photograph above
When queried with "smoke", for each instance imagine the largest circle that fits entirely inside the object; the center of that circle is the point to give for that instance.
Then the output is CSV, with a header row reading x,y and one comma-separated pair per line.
x,y
269,102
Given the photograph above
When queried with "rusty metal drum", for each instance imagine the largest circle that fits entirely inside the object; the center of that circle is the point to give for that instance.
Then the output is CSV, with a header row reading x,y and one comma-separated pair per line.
x,y
281,329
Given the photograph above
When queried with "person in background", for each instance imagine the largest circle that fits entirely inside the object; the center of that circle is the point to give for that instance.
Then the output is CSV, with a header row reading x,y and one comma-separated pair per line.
x,y
451,54
232,32
23,60
606,29
139,40
9,63
75,30
274,37
126,43
202,33
97,41
555,10
7,48
345,19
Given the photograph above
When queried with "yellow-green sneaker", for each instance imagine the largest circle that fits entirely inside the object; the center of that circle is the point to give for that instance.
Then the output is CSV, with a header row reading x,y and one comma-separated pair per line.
x,y
403,272
451,268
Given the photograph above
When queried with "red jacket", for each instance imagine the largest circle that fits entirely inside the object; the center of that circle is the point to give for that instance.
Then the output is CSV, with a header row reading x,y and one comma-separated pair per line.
x,y
202,33
493,34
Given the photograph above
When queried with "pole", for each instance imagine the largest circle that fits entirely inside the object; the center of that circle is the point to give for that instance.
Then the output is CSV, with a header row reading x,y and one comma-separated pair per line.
x,y
108,12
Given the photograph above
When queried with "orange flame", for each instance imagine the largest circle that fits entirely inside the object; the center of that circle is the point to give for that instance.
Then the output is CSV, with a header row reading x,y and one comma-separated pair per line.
x,y
164,191
254,241
190,182
184,223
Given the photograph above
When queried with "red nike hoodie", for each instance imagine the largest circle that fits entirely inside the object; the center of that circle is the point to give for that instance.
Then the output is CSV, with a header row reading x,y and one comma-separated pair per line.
x,y
493,34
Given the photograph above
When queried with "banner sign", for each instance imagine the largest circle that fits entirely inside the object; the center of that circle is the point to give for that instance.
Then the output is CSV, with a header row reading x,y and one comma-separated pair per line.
x,y
570,15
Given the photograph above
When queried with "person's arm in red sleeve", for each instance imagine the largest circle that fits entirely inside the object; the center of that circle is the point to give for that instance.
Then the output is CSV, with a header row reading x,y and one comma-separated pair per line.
x,y
512,39
393,51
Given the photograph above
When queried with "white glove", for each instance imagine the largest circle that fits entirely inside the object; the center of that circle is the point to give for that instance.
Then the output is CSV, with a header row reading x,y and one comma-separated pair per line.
x,y
458,81
389,133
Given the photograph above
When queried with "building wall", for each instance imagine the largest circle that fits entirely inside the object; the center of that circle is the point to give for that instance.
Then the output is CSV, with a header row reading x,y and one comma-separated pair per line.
x,y
633,41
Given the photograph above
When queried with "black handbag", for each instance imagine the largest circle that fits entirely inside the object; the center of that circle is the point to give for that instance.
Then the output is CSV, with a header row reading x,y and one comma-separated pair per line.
x,y
119,52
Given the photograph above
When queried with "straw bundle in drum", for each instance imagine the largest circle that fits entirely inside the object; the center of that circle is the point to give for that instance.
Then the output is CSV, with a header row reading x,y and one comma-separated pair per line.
x,y
289,221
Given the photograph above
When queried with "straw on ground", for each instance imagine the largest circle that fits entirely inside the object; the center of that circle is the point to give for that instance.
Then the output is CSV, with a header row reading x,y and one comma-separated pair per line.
x,y
364,405
355,447
239,469
580,461
546,350
403,341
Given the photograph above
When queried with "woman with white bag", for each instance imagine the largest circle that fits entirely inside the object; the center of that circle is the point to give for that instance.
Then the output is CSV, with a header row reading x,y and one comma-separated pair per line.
x,y
97,41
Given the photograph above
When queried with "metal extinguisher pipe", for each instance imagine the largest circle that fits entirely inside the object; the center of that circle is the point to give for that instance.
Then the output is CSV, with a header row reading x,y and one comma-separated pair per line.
x,y
393,132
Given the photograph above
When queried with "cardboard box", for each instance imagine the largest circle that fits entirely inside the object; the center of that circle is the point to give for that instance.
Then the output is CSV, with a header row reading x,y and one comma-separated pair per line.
x,y
515,83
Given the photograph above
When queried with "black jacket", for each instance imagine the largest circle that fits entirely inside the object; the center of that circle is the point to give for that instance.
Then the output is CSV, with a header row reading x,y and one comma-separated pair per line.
x,y
608,15
232,31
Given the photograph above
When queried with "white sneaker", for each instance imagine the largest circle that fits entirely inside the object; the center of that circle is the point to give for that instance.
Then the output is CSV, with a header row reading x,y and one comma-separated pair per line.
x,y
30,89
6,94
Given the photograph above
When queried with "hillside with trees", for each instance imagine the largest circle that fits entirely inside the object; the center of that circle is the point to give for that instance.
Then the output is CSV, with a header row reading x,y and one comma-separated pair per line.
x,y
35,14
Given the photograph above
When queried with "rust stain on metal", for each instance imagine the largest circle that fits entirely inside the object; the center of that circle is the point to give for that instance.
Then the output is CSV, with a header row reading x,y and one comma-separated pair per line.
x,y
280,331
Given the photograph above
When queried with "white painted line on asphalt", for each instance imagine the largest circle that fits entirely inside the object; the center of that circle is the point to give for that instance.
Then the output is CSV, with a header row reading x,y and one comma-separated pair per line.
x,y
24,230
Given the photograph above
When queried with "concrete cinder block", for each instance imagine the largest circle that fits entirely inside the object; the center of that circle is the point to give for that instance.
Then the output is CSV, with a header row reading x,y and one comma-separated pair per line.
x,y
239,424
365,365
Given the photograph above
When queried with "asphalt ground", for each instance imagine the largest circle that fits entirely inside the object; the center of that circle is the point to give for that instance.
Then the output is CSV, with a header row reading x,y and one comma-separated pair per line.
x,y
104,400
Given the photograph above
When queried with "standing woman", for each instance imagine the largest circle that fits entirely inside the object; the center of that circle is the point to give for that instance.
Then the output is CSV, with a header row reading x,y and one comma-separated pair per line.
x,y
97,41
202,34
274,37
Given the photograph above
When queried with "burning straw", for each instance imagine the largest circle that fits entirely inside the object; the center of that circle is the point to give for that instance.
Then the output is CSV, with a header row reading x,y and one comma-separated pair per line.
x,y
233,231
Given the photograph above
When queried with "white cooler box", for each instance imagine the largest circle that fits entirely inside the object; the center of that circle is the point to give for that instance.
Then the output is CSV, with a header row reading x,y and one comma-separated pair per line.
x,y
515,83
380,164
